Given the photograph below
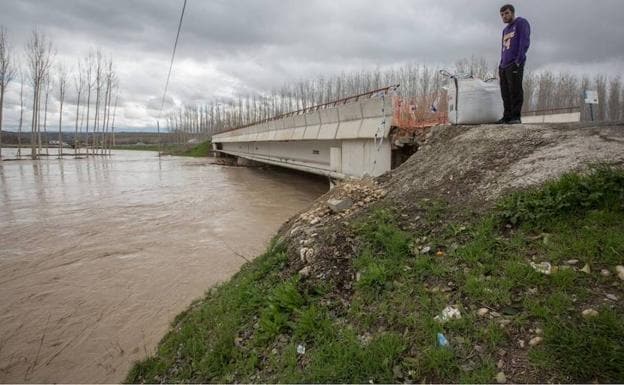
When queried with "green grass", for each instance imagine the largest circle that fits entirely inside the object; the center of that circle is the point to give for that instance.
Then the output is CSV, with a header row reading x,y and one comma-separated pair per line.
x,y
200,150
248,329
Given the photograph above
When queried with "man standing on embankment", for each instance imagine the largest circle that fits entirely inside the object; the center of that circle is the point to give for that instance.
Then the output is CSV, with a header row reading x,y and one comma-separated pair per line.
x,y
515,44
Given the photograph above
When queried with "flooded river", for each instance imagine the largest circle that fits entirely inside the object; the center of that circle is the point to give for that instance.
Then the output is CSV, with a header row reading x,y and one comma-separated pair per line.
x,y
98,255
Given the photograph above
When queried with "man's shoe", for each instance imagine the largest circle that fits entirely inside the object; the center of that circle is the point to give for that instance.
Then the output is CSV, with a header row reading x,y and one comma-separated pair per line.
x,y
502,121
514,121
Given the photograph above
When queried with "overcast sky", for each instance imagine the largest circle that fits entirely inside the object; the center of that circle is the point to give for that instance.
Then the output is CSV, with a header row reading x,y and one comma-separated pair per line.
x,y
231,46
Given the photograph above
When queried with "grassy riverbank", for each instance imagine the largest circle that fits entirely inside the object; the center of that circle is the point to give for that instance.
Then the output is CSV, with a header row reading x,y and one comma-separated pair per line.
x,y
200,150
272,324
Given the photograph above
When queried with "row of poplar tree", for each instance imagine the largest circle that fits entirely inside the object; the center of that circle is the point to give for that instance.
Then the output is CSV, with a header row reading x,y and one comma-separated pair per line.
x,y
93,80
421,85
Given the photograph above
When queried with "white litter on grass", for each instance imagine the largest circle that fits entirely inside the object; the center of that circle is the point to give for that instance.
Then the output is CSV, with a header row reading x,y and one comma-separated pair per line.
x,y
449,312
301,349
544,267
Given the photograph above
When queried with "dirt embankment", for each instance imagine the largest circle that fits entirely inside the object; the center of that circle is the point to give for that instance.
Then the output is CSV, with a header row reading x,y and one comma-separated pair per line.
x,y
467,167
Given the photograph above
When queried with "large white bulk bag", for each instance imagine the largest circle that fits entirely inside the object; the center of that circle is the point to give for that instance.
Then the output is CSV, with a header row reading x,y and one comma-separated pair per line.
x,y
474,101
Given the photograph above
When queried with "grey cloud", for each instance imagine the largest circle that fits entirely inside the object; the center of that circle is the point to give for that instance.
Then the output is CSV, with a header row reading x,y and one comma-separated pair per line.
x,y
230,46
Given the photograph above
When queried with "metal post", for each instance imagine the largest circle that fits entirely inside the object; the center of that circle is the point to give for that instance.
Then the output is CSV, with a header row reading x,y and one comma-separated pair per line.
x,y
591,111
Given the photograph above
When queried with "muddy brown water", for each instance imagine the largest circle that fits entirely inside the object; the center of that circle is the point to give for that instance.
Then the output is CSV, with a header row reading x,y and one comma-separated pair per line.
x,y
98,255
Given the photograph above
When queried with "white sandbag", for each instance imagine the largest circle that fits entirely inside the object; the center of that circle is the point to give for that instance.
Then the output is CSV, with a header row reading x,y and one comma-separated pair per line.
x,y
473,101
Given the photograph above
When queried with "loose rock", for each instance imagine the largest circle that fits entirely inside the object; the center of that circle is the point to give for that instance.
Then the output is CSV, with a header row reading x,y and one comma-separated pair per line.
x,y
589,313
605,272
612,297
501,378
305,272
536,341
620,271
572,261
483,311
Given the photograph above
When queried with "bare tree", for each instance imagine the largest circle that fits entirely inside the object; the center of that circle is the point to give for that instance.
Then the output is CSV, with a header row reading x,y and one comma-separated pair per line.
x,y
62,85
78,85
39,55
47,84
89,79
99,69
7,73
600,82
615,86
21,119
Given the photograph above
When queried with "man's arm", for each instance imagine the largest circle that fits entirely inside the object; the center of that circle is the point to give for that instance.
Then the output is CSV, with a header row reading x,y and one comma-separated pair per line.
x,y
523,30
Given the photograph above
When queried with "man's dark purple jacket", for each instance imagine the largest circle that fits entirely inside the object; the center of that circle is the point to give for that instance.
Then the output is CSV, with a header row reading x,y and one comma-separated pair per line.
x,y
515,42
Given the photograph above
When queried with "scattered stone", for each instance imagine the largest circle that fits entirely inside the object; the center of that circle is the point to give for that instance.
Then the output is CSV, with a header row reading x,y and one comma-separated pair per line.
x,y
521,344
536,341
315,220
504,322
589,313
572,261
483,311
539,331
305,272
302,253
495,314
501,378
544,267
586,269
612,297
238,341
500,364
301,349
605,272
338,205
620,271
449,312
425,250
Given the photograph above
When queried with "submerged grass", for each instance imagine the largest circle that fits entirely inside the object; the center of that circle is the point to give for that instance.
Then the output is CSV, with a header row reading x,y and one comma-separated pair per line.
x,y
256,327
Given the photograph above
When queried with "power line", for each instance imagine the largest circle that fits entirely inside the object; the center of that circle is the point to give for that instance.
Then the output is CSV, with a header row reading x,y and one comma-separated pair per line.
x,y
175,46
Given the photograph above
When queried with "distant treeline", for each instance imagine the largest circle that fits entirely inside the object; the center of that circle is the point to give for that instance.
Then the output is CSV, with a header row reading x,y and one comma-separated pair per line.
x,y
422,84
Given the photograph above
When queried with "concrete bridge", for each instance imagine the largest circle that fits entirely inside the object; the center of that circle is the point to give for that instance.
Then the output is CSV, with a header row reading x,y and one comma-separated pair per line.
x,y
355,137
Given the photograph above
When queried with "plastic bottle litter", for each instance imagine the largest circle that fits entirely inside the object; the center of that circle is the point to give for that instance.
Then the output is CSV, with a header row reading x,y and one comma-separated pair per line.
x,y
442,341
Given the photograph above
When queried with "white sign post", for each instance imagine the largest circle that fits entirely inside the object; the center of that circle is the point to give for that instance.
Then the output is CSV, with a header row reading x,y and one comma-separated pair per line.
x,y
591,98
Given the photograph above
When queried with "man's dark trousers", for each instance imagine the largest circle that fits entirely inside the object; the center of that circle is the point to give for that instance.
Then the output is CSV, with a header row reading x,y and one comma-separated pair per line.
x,y
511,90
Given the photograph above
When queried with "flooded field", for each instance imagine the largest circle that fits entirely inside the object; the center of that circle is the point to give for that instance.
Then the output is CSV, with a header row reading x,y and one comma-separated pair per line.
x,y
98,255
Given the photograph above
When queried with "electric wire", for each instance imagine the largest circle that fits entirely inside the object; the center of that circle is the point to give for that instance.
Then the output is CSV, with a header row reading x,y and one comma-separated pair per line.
x,y
175,46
